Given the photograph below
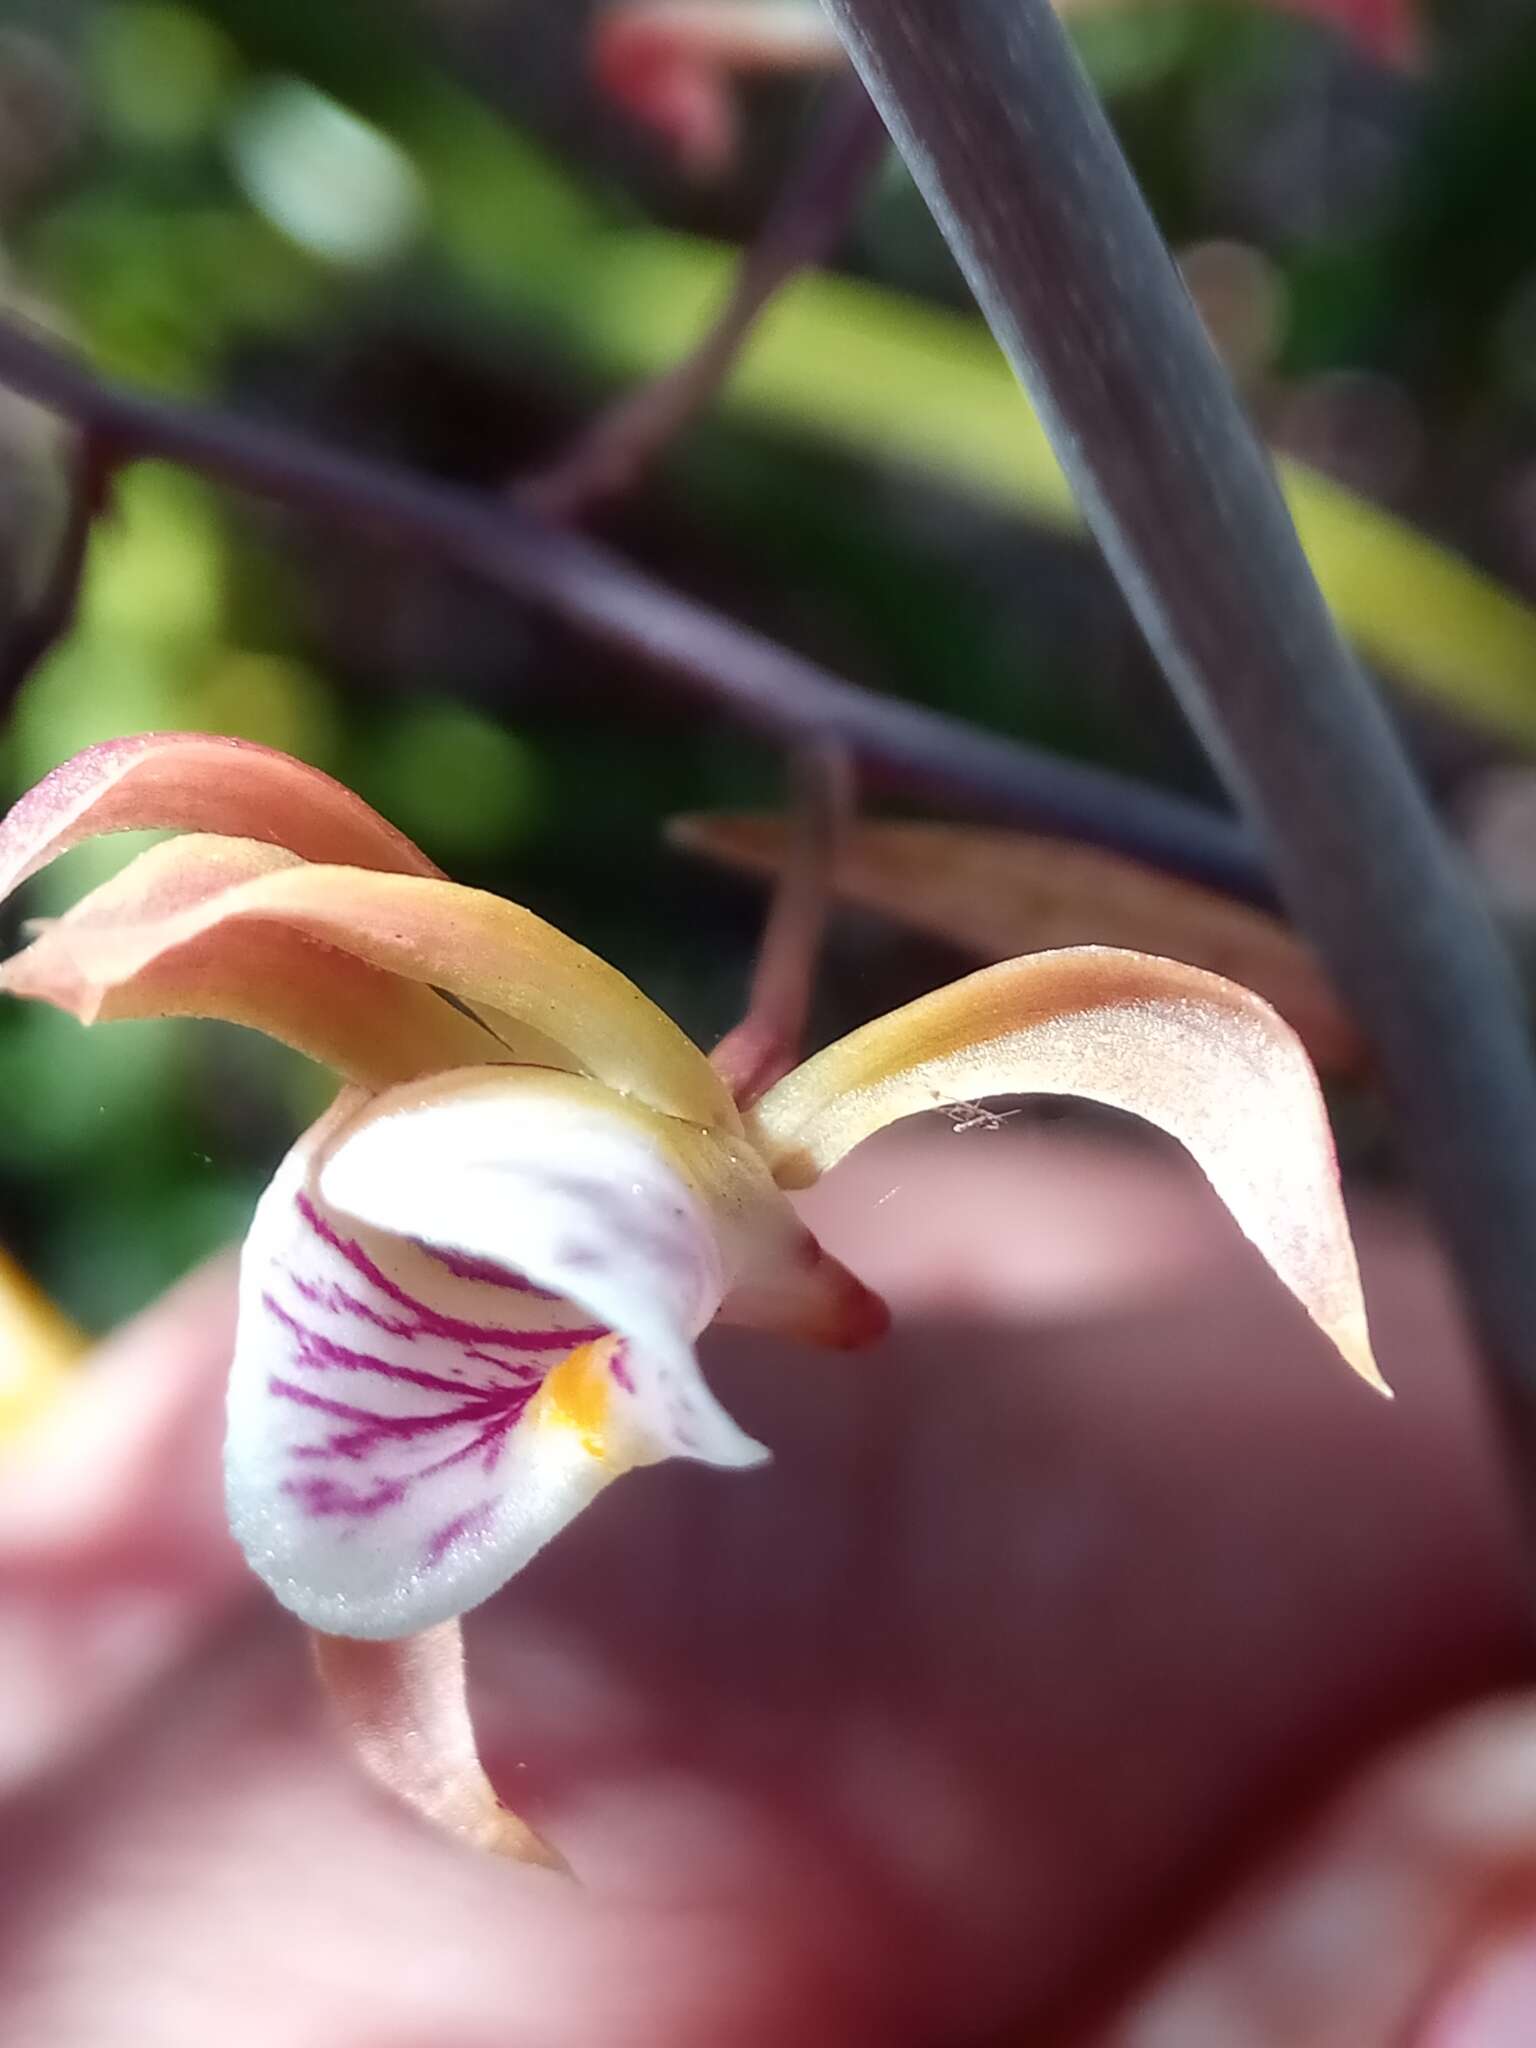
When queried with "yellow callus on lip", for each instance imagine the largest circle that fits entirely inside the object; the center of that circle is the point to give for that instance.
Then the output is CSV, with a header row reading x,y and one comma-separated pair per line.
x,y
577,1395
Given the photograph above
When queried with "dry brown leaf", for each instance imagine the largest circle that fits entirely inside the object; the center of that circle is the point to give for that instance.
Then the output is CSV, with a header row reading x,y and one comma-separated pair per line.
x,y
997,894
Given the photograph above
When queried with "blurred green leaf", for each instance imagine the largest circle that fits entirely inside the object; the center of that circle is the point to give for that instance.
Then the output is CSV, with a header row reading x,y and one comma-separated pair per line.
x,y
461,784
909,383
161,73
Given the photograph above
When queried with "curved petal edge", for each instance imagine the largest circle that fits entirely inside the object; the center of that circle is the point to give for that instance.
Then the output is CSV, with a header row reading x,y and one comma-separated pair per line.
x,y
1206,1061
198,782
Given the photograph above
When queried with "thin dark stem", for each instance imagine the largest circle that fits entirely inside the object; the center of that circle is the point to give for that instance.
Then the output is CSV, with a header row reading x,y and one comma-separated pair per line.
x,y
1024,176
694,649
51,617
770,1039
802,229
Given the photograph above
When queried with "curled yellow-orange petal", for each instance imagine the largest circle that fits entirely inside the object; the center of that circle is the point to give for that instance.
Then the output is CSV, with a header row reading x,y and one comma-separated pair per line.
x,y
547,999
405,1708
196,782
1205,1060
368,1025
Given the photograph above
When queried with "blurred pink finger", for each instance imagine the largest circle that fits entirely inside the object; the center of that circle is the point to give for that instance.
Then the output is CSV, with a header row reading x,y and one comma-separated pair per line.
x,y
113,1551
1049,1609
1393,1924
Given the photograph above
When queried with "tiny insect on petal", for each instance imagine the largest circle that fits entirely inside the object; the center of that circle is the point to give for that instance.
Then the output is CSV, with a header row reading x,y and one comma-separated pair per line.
x,y
1203,1059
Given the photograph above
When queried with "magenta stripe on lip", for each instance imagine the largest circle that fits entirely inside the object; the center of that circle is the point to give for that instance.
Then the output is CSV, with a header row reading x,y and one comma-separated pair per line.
x,y
432,1322
464,1267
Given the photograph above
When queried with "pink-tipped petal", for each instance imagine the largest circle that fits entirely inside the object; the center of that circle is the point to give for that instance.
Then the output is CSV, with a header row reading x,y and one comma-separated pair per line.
x,y
365,1024
194,782
546,999
1203,1059
404,1707
466,1306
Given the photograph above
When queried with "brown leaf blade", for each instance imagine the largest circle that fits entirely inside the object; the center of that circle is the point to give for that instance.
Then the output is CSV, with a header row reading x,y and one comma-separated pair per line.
x,y
998,894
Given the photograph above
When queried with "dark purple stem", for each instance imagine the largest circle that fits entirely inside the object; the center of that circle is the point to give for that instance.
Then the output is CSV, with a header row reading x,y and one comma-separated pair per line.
x,y
615,606
803,229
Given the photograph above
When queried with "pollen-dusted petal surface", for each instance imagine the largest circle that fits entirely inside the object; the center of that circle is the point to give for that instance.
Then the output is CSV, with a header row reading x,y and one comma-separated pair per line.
x,y
1205,1060
194,782
369,1026
464,1309
546,998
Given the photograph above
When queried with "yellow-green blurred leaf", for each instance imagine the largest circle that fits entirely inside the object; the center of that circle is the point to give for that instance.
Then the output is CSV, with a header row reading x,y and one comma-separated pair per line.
x,y
454,779
909,383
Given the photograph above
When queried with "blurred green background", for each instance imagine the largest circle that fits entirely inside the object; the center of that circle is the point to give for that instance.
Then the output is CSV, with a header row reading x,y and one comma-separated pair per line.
x,y
419,231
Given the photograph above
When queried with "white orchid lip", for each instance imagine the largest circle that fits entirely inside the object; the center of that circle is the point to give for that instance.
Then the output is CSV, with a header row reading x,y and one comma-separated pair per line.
x,y
465,1308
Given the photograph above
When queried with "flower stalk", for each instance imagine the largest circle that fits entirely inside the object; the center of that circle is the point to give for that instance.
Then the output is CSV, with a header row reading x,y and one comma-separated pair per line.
x,y
802,229
769,1040
1016,159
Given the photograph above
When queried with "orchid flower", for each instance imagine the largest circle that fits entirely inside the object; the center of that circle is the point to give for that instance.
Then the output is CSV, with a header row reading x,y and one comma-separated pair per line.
x,y
470,1295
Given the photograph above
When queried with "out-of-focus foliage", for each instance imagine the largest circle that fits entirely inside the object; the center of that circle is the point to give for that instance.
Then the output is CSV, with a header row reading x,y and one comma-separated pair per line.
x,y
415,228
